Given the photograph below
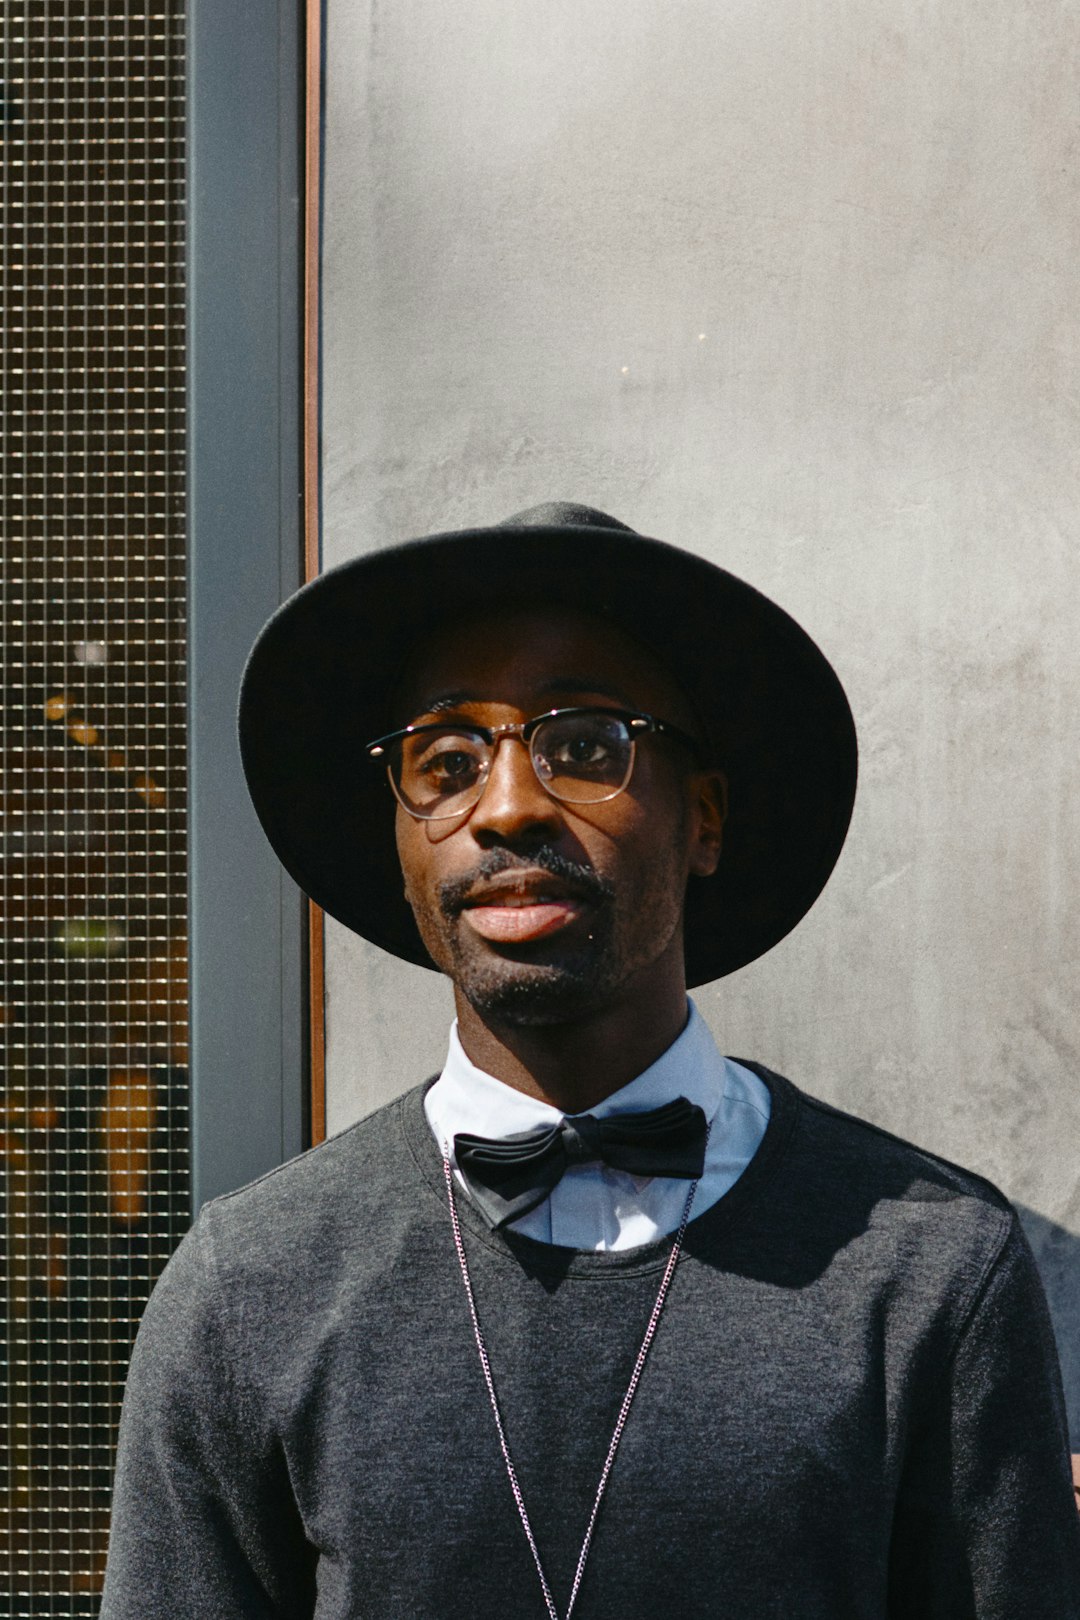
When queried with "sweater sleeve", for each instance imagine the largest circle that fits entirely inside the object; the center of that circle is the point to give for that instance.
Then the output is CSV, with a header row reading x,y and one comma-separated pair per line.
x,y
986,1524
204,1523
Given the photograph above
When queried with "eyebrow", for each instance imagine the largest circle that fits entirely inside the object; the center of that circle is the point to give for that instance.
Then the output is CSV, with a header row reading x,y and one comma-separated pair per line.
x,y
445,702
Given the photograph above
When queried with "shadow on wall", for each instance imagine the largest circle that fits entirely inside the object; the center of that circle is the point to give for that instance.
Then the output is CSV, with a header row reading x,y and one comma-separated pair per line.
x,y
1058,1254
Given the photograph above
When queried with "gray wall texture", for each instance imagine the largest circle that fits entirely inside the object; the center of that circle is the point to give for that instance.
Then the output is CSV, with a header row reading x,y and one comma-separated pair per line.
x,y
792,284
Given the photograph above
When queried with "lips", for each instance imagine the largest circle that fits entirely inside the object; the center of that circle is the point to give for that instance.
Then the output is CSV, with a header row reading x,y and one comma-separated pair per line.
x,y
516,924
527,907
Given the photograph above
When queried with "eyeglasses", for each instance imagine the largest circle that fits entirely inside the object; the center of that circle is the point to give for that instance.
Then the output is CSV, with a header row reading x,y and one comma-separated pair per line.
x,y
580,756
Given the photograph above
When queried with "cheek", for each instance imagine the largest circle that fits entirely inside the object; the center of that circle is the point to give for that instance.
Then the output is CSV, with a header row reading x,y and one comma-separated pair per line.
x,y
653,827
645,857
420,876
428,853
414,853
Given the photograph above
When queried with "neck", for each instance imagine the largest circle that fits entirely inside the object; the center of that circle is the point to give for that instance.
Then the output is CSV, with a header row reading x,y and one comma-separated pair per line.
x,y
576,1065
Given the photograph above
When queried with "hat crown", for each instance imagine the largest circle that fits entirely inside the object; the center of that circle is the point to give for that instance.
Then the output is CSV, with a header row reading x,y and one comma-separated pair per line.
x,y
563,515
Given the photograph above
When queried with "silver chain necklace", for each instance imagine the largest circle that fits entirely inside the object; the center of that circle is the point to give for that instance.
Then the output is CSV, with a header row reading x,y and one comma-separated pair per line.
x,y
624,1410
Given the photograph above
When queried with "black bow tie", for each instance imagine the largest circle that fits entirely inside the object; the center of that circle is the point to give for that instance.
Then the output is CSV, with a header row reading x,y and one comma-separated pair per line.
x,y
511,1175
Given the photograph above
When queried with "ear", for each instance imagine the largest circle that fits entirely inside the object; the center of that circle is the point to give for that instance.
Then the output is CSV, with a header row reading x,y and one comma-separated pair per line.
x,y
708,810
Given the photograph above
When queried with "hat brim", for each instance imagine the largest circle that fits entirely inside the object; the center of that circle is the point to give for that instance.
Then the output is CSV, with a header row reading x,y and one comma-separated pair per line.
x,y
322,674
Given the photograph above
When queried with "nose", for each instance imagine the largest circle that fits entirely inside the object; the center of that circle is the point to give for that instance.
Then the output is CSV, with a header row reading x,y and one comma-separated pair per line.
x,y
514,805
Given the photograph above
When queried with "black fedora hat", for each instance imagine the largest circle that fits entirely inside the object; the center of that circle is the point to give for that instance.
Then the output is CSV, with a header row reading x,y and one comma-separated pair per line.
x,y
321,676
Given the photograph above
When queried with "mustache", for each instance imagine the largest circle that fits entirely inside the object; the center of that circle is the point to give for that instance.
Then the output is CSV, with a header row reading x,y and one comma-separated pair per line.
x,y
588,884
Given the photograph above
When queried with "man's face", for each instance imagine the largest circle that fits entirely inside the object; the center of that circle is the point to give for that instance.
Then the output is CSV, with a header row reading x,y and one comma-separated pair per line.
x,y
538,910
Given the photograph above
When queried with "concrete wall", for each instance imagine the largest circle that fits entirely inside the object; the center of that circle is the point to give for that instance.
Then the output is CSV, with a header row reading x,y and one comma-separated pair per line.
x,y
793,283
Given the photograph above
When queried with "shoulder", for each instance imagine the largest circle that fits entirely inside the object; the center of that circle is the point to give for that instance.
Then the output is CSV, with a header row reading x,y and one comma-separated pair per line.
x,y
870,1153
838,1143
266,1268
354,1193
869,1200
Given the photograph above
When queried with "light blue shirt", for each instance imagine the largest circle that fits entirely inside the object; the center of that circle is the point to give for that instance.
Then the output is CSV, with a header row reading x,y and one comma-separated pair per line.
x,y
593,1206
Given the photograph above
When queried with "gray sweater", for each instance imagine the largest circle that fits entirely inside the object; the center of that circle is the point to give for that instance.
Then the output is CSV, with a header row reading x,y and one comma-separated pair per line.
x,y
851,1410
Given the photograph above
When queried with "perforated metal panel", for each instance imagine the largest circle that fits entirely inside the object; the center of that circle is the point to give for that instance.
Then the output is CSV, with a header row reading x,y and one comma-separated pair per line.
x,y
93,1002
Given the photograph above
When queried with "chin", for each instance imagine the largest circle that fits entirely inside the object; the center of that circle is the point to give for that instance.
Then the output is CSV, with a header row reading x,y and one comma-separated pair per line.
x,y
511,991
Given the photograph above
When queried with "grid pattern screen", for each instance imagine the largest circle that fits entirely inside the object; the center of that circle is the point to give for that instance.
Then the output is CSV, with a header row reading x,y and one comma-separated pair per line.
x,y
94,1188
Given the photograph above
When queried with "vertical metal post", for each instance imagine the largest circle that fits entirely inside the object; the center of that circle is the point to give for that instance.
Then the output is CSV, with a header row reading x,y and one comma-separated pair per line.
x,y
245,335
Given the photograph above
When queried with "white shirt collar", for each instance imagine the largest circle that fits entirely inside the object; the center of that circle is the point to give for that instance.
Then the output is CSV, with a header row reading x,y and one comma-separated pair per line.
x,y
467,1099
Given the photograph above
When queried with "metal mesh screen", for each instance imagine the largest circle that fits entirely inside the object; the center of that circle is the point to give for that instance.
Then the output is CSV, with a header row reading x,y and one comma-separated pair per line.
x,y
93,1128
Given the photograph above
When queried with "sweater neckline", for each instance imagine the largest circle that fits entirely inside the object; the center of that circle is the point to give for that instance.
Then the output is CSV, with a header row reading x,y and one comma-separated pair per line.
x,y
553,1260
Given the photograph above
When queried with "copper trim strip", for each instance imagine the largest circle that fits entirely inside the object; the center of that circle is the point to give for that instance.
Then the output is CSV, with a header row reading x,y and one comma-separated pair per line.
x,y
317,1023
311,504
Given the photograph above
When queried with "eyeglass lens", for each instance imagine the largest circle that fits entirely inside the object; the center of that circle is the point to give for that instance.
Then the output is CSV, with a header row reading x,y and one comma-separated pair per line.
x,y
580,758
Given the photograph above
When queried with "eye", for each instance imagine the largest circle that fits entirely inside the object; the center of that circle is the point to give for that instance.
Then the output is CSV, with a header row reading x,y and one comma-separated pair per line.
x,y
450,763
586,748
441,763
583,747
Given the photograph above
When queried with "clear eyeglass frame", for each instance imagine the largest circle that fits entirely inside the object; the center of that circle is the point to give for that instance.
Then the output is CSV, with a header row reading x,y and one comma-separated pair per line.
x,y
387,752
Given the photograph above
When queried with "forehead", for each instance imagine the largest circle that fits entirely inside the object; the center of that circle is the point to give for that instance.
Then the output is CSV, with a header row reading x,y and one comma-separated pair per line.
x,y
528,657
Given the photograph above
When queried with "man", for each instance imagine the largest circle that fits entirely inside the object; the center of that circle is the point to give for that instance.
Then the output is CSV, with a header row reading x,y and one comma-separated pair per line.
x,y
599,1322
